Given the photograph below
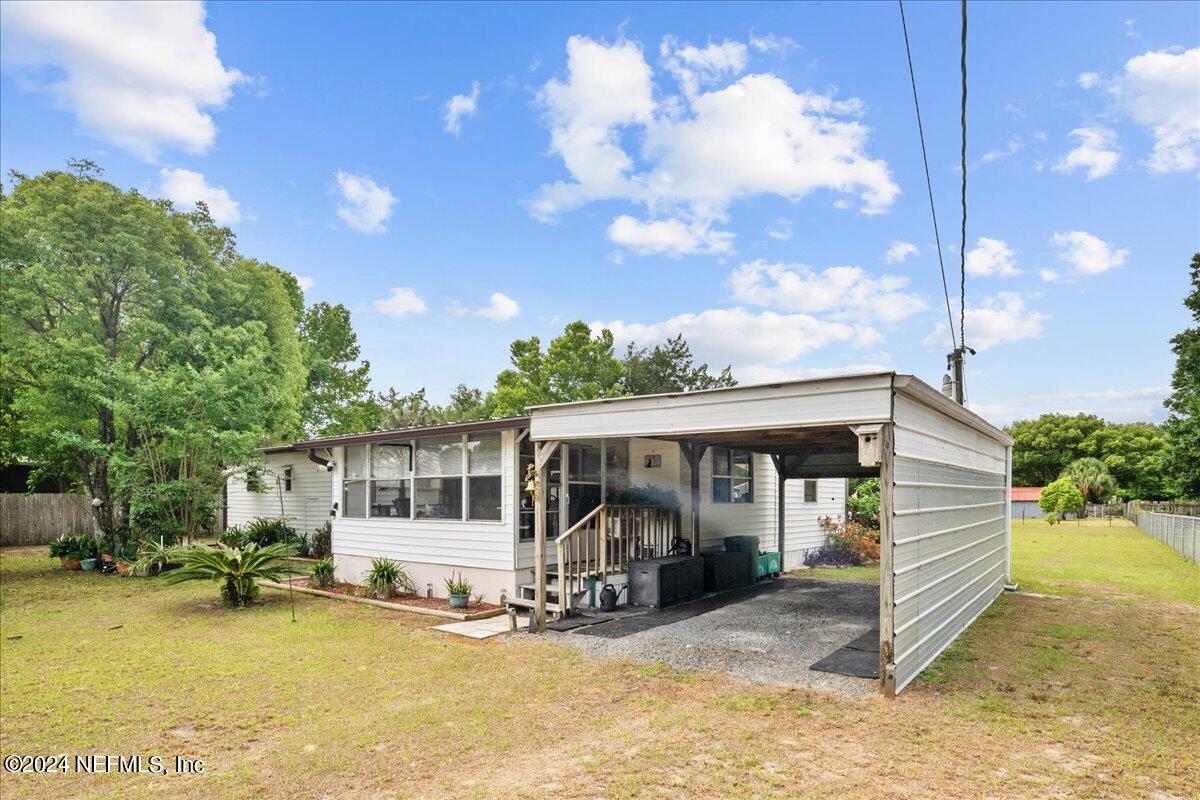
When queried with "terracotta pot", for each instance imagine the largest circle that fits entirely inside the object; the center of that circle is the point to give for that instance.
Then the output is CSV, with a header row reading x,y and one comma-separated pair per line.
x,y
73,564
122,568
107,558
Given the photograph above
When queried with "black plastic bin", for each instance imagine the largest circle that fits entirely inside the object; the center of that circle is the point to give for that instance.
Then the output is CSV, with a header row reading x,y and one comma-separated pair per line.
x,y
748,547
725,570
661,582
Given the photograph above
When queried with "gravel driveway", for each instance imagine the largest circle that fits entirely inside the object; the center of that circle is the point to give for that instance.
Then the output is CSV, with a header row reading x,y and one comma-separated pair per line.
x,y
769,635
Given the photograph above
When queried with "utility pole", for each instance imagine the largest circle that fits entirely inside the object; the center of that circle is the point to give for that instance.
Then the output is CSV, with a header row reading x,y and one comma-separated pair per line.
x,y
952,384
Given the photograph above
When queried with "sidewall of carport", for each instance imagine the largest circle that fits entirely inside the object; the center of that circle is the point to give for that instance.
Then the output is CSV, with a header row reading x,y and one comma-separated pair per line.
x,y
945,534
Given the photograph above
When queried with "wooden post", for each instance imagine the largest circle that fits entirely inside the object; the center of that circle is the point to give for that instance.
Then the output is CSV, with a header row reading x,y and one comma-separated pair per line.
x,y
541,457
693,452
887,535
781,500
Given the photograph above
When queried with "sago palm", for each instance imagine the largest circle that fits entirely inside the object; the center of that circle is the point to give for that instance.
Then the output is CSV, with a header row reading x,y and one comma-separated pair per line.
x,y
237,570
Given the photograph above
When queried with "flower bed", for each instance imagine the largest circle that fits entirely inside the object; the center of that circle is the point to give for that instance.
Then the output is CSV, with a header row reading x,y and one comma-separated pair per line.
x,y
436,607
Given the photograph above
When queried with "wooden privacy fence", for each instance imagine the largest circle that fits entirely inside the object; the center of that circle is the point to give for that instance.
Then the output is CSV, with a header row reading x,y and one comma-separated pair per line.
x,y
42,518
1180,533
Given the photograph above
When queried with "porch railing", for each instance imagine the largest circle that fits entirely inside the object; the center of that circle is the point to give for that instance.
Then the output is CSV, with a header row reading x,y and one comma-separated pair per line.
x,y
607,539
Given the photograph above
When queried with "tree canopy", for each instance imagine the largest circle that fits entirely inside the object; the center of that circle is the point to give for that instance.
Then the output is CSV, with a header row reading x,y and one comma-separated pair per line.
x,y
1043,447
1183,424
1094,480
1059,498
669,367
141,354
575,366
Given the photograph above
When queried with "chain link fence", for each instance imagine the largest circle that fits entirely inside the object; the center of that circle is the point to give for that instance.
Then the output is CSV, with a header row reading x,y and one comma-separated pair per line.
x,y
1179,532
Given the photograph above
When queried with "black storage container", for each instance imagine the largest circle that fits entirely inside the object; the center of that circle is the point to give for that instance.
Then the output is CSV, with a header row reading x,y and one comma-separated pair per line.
x,y
661,582
726,570
748,547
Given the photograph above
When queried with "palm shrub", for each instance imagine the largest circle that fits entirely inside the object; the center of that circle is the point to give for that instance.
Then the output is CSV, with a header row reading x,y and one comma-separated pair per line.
x,y
152,558
1095,482
233,536
269,530
322,575
386,577
237,570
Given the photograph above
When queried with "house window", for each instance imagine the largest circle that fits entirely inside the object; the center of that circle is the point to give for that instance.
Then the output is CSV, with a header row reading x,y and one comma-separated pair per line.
x,y
484,457
287,479
391,474
354,482
732,476
438,486
810,491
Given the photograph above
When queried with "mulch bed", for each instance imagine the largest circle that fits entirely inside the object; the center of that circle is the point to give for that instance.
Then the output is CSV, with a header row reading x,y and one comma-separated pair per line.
x,y
439,603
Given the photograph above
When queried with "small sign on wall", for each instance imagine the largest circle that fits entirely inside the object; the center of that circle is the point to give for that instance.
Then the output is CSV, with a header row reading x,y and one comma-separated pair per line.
x,y
653,461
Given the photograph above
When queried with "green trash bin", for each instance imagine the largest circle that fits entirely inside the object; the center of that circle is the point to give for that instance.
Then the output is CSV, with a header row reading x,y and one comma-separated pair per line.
x,y
748,546
767,564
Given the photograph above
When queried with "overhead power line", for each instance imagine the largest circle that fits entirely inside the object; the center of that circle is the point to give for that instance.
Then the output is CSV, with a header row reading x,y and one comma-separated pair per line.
x,y
925,158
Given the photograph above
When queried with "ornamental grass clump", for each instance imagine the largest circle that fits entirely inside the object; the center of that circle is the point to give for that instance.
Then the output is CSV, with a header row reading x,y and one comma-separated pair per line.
x,y
237,570
322,574
386,577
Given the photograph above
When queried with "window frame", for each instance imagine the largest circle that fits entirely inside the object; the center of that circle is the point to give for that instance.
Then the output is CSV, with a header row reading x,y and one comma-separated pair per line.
x,y
728,478
811,483
462,475
287,478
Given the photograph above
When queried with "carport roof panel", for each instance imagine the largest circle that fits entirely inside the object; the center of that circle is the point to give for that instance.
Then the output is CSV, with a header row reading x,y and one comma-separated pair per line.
x,y
819,402
822,402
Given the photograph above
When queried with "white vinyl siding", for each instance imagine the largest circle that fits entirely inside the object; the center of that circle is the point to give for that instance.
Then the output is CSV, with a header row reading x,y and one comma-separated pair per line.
x,y
306,506
486,544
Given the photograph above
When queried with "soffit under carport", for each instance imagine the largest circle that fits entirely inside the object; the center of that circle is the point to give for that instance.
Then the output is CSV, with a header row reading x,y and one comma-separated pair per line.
x,y
816,452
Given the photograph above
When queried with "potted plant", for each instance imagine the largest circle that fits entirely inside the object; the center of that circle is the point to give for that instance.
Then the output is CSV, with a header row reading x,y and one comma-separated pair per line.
x,y
126,557
72,551
459,589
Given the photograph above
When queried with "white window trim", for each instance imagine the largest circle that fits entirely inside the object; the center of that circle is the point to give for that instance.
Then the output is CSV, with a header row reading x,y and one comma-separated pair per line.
x,y
714,475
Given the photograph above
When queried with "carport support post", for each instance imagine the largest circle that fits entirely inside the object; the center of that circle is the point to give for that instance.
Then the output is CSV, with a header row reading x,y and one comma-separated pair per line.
x,y
781,500
887,608
541,457
693,452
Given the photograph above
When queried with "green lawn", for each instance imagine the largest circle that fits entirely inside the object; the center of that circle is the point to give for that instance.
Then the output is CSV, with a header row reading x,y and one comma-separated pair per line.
x,y
1094,695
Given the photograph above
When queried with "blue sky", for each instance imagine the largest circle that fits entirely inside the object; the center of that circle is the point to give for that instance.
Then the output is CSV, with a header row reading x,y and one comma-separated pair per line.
x,y
748,174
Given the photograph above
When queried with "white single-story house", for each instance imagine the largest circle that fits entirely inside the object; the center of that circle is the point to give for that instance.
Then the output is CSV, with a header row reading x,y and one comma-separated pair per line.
x,y
537,508
291,486
411,496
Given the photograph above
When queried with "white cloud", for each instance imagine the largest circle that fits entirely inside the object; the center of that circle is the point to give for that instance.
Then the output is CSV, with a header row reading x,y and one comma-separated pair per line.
x,y
1049,275
1097,152
997,320
305,282
899,252
184,188
670,237
847,292
743,338
701,153
400,302
367,206
1011,149
767,374
1088,79
1153,392
141,76
992,257
695,67
1160,90
502,308
771,43
460,106
1087,254
781,230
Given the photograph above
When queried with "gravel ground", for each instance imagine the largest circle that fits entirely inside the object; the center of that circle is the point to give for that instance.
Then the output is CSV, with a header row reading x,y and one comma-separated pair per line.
x,y
772,637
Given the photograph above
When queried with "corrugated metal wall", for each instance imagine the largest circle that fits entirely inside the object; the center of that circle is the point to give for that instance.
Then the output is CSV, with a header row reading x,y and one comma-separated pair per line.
x,y
950,532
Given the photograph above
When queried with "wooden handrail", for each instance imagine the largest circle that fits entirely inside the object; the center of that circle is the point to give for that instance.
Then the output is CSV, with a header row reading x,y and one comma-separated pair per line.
x,y
571,530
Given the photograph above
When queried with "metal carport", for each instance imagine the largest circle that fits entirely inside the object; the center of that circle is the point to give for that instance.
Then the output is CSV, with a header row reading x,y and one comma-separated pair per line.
x,y
945,473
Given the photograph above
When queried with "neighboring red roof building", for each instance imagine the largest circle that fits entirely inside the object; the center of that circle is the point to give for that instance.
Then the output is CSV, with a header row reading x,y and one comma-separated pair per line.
x,y
1026,494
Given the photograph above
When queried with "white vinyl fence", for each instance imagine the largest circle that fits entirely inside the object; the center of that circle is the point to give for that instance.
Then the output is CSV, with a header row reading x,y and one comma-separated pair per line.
x,y
1180,533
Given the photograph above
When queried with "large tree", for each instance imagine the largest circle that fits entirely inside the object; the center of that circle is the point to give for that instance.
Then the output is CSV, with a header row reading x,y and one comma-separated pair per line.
x,y
1043,447
1183,424
1094,480
577,365
105,295
1137,455
669,367
335,395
